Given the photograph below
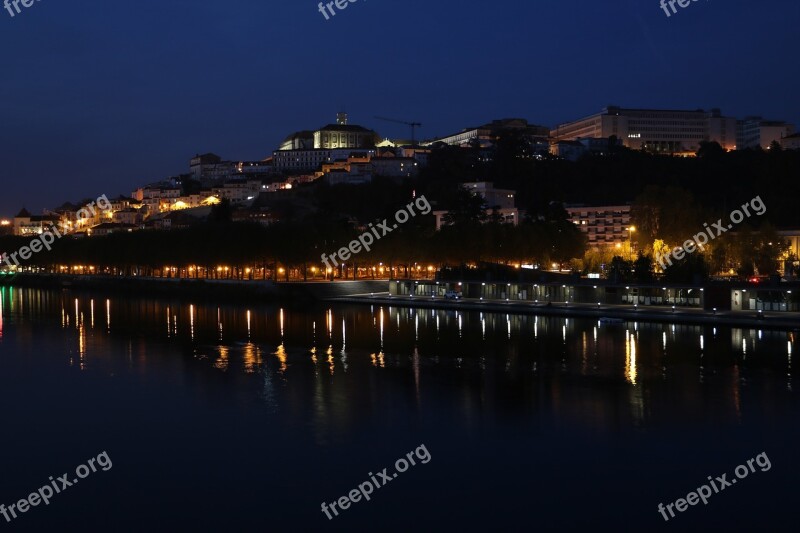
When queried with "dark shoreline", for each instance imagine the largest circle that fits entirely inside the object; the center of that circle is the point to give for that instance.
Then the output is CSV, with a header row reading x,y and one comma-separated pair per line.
x,y
368,292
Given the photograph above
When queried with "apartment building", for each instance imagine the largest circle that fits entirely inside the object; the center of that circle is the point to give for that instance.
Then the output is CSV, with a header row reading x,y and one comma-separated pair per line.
x,y
604,226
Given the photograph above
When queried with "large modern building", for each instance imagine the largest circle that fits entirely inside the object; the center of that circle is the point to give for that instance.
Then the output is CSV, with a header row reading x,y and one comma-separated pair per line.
x,y
604,226
752,132
655,130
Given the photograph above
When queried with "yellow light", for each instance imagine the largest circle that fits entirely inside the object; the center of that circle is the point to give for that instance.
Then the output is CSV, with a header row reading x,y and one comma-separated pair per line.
x,y
247,270
632,229
281,270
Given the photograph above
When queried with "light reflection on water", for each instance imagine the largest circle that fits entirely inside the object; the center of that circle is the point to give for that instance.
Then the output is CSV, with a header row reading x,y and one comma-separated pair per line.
x,y
573,368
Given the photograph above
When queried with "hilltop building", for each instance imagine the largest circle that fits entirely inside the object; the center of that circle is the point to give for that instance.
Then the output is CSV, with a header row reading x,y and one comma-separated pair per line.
x,y
675,132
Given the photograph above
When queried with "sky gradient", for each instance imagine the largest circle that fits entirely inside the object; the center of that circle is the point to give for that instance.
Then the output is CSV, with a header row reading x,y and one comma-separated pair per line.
x,y
100,97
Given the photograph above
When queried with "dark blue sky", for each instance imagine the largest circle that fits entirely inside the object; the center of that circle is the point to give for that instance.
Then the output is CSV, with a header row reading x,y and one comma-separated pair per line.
x,y
101,96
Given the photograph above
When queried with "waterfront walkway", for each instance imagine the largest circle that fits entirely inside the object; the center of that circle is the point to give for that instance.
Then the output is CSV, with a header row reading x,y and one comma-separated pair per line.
x,y
744,319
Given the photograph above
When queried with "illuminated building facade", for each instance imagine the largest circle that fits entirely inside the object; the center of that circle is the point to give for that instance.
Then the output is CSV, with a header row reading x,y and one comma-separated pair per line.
x,y
604,226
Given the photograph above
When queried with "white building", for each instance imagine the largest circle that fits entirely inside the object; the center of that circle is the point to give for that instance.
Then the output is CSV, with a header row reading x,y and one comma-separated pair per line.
x,y
654,130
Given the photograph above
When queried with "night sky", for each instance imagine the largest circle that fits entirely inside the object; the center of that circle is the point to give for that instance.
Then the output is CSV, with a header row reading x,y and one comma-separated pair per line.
x,y
99,97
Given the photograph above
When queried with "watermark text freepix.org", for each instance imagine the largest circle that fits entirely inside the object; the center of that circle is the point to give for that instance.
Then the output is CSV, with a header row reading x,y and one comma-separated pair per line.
x,y
341,5
366,240
365,489
55,486
720,483
13,5
48,237
668,5
701,239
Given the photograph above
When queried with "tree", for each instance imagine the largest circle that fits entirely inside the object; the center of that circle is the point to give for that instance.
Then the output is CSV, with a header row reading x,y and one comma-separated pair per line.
x,y
221,212
620,270
691,269
667,213
643,268
660,249
465,207
710,150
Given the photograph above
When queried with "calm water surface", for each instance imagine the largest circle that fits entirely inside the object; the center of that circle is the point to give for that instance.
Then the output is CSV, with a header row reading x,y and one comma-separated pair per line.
x,y
235,418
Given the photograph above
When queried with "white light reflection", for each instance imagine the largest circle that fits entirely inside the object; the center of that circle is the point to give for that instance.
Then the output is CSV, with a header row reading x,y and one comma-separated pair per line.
x,y
381,327
630,357
191,321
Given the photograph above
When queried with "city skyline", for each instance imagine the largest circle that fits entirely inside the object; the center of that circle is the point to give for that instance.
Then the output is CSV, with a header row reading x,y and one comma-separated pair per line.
x,y
277,172
83,119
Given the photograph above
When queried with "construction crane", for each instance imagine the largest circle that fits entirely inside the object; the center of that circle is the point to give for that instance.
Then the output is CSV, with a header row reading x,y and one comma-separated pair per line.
x,y
414,126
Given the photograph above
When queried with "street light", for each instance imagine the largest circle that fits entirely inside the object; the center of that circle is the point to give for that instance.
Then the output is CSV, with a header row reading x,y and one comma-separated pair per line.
x,y
631,230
